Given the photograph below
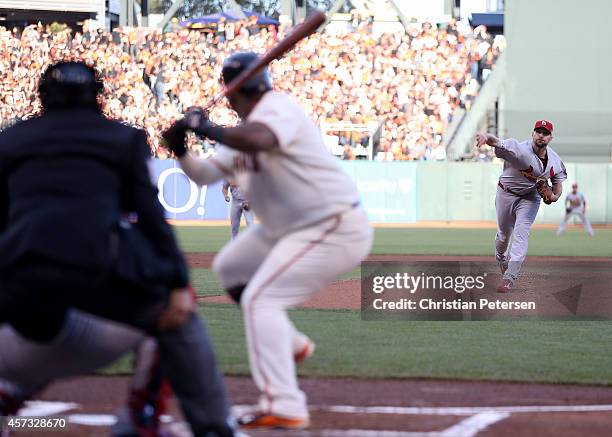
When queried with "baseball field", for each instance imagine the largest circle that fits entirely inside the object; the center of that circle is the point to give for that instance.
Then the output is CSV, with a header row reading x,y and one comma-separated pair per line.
x,y
408,378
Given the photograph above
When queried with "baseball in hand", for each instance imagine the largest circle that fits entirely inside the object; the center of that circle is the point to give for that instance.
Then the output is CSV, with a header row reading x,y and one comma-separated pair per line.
x,y
481,139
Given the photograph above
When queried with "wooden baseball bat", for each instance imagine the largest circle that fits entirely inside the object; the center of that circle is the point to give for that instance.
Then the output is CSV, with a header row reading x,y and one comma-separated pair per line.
x,y
309,26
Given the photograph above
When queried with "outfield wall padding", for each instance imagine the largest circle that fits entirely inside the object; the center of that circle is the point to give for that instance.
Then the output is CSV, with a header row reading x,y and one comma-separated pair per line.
x,y
403,192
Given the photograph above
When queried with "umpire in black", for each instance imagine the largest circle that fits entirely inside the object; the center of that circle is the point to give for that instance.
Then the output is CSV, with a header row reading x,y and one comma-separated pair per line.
x,y
67,179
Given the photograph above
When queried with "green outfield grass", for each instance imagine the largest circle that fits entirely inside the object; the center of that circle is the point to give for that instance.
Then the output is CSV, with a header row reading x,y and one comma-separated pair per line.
x,y
556,352
206,283
435,241
517,351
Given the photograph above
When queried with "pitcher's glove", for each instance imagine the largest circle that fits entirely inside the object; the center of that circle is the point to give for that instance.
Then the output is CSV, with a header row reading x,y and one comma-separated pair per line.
x,y
544,190
173,138
568,210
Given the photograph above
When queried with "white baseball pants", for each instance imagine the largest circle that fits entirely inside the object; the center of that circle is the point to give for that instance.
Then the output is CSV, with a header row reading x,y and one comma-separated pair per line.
x,y
282,273
583,218
236,213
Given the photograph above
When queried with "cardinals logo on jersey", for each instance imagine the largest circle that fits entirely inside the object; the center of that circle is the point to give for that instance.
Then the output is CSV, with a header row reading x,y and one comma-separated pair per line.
x,y
528,173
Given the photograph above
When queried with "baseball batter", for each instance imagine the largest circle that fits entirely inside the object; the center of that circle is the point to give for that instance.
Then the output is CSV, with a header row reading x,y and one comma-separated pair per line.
x,y
312,229
575,204
239,206
521,187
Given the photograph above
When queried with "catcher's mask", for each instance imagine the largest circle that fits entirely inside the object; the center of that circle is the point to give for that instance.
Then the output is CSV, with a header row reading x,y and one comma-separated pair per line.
x,y
236,64
69,84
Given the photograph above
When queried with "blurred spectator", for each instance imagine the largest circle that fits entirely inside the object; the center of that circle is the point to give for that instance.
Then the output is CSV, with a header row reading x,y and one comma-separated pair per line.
x,y
159,87
252,25
348,153
221,29
411,82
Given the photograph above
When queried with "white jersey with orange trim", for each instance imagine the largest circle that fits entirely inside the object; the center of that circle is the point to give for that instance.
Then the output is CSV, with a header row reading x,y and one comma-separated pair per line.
x,y
311,231
299,183
522,167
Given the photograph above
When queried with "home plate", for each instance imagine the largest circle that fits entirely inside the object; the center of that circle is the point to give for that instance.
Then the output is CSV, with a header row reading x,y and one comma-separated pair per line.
x,y
93,419
46,408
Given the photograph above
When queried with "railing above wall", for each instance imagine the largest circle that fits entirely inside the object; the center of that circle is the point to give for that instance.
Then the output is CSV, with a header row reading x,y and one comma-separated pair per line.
x,y
488,94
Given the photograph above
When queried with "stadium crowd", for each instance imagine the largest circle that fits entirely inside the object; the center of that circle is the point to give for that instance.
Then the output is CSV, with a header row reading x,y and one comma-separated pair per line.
x,y
410,82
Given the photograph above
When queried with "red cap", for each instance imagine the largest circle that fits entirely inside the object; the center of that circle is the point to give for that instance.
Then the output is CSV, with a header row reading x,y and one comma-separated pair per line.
x,y
544,124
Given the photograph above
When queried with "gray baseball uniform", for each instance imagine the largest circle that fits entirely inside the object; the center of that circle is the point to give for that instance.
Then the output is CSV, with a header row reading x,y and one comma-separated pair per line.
x,y
517,201
237,208
575,204
85,343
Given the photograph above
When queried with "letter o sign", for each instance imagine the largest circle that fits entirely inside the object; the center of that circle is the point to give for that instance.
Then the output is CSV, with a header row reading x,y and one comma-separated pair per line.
x,y
193,191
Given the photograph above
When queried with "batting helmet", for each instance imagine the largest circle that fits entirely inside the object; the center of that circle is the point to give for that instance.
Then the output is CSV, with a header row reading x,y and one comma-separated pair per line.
x,y
69,84
237,63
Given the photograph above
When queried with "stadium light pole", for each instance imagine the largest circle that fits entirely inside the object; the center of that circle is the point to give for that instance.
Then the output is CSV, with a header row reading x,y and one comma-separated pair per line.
x,y
300,10
144,5
123,13
127,13
296,9
286,7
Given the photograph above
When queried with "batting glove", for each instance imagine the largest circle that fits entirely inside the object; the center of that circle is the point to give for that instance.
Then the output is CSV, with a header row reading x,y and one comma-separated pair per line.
x,y
173,138
196,119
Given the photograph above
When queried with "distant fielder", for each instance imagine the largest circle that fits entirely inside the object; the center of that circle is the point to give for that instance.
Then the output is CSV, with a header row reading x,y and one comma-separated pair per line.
x,y
523,183
575,204
312,229
239,206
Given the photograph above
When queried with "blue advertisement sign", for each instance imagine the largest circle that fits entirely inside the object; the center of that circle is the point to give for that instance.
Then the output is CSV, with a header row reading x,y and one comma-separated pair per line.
x,y
182,198
388,191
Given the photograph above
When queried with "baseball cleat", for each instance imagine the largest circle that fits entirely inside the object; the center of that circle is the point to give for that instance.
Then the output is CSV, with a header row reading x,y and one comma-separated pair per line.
x,y
305,353
141,416
504,286
272,421
137,424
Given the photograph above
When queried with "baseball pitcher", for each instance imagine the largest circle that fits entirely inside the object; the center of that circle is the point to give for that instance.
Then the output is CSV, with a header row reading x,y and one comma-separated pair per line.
x,y
523,184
